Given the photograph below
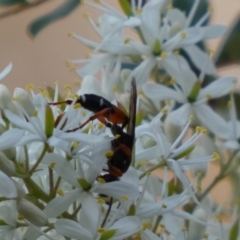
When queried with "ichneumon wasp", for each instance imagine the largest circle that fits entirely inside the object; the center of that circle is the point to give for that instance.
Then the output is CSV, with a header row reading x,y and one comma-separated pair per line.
x,y
115,119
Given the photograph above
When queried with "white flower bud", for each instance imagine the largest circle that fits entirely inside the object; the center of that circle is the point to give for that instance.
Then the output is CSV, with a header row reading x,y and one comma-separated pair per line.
x,y
6,165
6,99
196,230
90,85
199,152
31,212
24,100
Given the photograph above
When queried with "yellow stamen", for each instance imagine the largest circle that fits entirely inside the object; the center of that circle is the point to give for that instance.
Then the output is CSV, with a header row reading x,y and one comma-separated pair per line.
x,y
77,105
183,35
198,129
172,81
35,113
164,206
163,55
109,154
52,164
176,52
216,156
30,87
60,192
191,117
124,198
70,34
86,15
101,201
101,230
20,217
229,104
127,40
68,87
101,126
204,131
117,136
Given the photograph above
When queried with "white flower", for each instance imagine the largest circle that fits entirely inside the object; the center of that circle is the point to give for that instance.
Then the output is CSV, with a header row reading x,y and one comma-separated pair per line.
x,y
160,38
163,152
194,100
85,181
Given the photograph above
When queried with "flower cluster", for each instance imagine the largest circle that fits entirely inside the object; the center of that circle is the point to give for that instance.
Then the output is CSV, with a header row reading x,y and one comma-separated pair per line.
x,y
58,176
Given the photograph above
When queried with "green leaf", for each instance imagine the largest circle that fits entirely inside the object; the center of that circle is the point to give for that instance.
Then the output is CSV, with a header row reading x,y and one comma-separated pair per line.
x,y
229,50
36,26
11,2
234,231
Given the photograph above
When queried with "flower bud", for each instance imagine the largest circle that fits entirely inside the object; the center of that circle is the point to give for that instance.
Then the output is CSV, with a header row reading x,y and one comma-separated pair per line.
x,y
90,85
31,213
6,99
24,100
7,166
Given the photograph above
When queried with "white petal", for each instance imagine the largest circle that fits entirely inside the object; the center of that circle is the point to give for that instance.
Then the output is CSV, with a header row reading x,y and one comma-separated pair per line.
x,y
9,214
151,21
178,68
7,187
212,120
9,138
219,87
19,122
26,139
90,213
65,170
72,229
181,115
214,31
126,227
95,63
80,137
176,16
182,177
118,189
160,92
141,73
193,35
147,234
61,203
59,143
200,59
6,71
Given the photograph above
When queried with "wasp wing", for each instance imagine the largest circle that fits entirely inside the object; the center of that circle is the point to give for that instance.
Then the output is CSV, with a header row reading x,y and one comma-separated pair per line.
x,y
132,110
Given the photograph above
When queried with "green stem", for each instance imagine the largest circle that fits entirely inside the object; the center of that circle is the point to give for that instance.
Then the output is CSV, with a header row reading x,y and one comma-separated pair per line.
x,y
161,164
45,148
27,158
222,174
156,224
51,183
35,190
